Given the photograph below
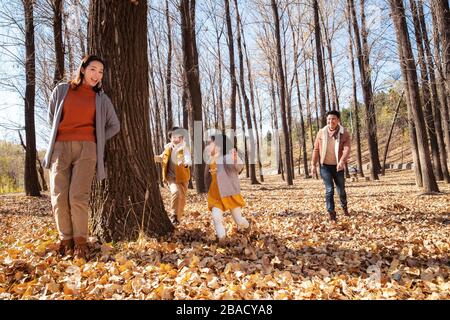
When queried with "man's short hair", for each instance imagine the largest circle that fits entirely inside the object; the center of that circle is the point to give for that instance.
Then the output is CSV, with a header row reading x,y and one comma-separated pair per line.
x,y
334,113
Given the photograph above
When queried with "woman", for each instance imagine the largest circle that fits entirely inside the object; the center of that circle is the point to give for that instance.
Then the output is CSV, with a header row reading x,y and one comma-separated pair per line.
x,y
222,181
82,118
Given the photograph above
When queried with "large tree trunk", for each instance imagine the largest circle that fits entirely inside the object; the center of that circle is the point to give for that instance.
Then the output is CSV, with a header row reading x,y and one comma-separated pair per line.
x,y
128,202
355,98
426,94
169,69
57,6
407,59
251,146
323,107
192,76
366,84
31,178
281,79
233,82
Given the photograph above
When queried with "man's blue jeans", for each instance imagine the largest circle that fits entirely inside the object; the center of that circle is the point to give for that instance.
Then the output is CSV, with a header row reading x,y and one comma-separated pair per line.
x,y
330,177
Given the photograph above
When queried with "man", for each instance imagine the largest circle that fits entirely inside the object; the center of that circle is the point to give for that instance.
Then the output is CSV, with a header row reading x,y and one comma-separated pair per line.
x,y
176,159
332,148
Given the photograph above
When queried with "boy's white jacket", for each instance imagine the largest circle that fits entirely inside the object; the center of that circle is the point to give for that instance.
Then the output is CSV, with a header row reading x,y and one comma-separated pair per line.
x,y
175,149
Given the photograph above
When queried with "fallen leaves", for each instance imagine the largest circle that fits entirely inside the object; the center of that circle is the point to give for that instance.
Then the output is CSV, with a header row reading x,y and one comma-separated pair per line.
x,y
394,246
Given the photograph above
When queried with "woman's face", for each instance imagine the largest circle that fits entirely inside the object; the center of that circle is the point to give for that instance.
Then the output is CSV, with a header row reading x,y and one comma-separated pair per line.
x,y
93,73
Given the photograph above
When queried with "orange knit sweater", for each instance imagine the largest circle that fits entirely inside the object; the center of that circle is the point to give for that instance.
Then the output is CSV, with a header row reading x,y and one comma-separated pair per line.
x,y
78,116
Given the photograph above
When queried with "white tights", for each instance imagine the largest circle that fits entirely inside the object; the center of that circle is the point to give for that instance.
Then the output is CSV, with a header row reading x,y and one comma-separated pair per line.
x,y
217,216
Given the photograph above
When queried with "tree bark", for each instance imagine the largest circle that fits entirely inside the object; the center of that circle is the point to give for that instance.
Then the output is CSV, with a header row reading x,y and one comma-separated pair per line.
x,y
438,109
320,71
442,12
31,178
128,202
426,95
192,76
169,69
442,90
57,6
281,80
366,84
355,98
386,149
251,147
252,100
407,59
233,82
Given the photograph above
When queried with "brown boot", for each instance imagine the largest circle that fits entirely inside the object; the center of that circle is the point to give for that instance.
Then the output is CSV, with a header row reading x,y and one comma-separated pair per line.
x,y
65,247
346,213
81,249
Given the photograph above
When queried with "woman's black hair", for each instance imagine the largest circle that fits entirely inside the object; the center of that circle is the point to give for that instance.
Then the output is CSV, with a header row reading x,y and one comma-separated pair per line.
x,y
223,142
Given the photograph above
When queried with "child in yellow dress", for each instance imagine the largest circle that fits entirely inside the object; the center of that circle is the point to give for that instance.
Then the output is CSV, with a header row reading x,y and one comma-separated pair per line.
x,y
222,181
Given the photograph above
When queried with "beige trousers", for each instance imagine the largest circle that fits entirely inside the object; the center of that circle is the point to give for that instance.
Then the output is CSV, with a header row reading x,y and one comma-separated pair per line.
x,y
178,198
72,169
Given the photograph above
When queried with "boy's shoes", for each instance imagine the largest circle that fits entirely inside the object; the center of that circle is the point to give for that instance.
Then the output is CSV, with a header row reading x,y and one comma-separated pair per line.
x,y
346,213
221,241
332,215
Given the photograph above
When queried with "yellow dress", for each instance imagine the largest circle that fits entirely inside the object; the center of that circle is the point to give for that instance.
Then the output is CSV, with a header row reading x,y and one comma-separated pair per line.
x,y
214,199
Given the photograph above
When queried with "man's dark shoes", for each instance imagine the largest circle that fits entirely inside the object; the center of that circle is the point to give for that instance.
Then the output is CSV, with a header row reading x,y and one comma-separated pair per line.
x,y
332,215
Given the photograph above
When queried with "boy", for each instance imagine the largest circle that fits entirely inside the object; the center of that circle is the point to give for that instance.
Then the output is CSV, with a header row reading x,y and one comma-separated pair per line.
x,y
176,159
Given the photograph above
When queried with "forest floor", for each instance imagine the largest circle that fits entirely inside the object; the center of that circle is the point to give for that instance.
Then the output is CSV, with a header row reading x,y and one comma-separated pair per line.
x,y
395,245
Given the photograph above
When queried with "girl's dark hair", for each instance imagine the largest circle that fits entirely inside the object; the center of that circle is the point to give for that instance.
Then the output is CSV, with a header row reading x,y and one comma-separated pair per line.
x,y
75,83
223,142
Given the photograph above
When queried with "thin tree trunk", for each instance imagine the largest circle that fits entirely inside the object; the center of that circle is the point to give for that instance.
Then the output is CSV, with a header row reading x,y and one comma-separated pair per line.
x,y
252,100
31,178
302,133
366,84
355,98
281,79
250,148
320,71
57,6
68,47
233,82
191,69
169,69
386,149
276,134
